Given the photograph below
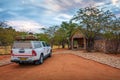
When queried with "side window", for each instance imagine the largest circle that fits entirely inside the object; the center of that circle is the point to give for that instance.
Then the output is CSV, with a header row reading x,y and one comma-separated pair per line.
x,y
47,44
44,45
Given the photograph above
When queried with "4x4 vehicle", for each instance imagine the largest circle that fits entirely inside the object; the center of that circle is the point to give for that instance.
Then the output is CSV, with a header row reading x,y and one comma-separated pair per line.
x,y
30,52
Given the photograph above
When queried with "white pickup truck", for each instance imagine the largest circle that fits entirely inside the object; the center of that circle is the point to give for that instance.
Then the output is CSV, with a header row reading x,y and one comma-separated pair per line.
x,y
30,52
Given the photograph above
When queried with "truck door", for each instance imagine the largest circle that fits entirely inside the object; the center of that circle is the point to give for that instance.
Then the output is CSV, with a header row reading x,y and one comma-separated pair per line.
x,y
48,48
44,47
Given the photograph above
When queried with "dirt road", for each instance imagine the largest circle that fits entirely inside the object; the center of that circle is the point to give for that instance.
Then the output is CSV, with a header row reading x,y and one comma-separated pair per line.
x,y
60,67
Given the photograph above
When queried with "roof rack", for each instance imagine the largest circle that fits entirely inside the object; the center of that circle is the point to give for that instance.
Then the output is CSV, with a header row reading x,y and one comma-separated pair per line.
x,y
28,37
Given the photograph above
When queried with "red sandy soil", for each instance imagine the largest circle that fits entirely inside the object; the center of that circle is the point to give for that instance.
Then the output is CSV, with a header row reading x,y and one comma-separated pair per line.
x,y
60,67
2,57
59,49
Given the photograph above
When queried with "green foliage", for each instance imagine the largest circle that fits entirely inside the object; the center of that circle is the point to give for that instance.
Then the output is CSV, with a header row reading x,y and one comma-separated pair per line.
x,y
69,28
50,33
112,31
58,35
43,37
8,34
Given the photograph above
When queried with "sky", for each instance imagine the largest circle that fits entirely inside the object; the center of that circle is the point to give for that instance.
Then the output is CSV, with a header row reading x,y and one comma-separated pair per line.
x,y
31,15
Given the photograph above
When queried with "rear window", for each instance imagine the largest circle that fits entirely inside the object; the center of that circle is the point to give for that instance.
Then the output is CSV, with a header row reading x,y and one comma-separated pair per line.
x,y
19,44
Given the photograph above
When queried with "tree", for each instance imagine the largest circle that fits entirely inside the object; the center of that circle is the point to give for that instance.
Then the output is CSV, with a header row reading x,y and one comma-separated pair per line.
x,y
50,32
112,33
68,29
112,30
92,21
7,34
43,37
60,37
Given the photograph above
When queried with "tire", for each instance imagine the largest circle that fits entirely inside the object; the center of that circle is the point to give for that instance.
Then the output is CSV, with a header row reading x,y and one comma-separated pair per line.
x,y
21,63
50,54
40,61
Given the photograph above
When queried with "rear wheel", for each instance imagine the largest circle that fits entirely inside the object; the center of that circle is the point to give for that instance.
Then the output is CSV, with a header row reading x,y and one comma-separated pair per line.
x,y
21,63
40,61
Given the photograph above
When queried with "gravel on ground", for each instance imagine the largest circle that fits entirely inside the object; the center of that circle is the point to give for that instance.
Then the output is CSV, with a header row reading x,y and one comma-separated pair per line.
x,y
100,57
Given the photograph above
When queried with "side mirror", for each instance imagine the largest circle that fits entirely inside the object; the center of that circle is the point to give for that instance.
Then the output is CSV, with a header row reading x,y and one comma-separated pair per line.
x,y
48,45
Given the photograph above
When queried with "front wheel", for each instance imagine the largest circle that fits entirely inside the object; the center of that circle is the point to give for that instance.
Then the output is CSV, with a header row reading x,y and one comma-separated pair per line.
x,y
50,54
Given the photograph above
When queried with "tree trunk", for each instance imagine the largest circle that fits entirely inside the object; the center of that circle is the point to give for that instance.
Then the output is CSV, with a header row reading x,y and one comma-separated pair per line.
x,y
63,44
52,43
90,44
68,44
71,45
117,46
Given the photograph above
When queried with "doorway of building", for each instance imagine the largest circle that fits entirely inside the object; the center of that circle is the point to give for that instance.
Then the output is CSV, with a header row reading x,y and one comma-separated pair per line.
x,y
78,43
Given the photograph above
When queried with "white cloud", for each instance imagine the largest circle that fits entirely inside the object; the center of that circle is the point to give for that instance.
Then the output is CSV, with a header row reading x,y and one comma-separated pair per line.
x,y
1,9
67,2
46,4
54,5
116,3
25,25
99,4
63,17
77,1
118,15
60,5
12,13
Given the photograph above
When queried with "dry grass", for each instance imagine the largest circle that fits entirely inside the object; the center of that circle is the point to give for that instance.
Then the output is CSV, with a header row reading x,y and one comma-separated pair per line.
x,y
58,47
5,50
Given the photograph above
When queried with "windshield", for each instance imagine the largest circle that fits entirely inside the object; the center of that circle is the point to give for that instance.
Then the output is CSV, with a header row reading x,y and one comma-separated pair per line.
x,y
22,44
